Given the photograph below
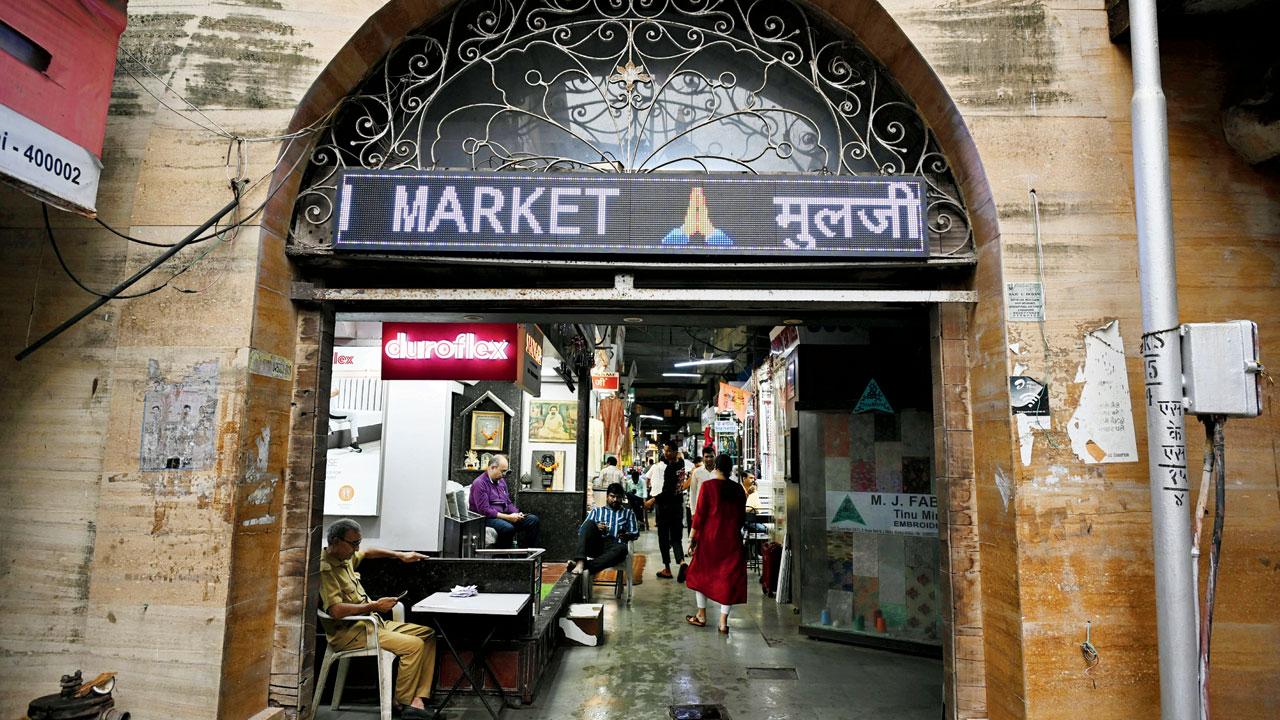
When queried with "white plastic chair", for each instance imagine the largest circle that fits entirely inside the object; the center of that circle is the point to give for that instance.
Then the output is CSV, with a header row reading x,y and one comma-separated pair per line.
x,y
371,648
621,578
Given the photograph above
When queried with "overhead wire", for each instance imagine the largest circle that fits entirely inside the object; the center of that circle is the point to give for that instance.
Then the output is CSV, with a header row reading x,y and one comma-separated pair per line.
x,y
233,143
213,235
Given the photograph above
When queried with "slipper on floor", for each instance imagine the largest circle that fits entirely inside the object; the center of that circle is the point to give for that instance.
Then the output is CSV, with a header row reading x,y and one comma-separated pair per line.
x,y
694,621
664,574
723,630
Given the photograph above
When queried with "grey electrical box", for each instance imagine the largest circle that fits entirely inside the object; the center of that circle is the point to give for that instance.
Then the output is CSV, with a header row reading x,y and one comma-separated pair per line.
x,y
1220,368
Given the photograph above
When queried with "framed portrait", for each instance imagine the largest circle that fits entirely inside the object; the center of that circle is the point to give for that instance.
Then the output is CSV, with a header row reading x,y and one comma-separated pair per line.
x,y
486,430
553,421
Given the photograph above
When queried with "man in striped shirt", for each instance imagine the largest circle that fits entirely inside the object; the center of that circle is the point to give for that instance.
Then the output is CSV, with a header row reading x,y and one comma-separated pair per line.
x,y
602,537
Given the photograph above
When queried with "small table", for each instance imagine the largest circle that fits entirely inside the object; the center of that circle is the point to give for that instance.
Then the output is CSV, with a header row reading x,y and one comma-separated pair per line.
x,y
491,604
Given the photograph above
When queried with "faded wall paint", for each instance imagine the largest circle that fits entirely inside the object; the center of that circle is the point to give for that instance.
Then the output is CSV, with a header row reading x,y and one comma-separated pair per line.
x,y
117,562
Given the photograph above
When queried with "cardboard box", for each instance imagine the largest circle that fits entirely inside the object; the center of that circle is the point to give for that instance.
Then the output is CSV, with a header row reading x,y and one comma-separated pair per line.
x,y
583,624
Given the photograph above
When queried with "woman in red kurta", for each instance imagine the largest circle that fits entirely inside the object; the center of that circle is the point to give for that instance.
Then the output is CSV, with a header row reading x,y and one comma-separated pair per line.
x,y
719,566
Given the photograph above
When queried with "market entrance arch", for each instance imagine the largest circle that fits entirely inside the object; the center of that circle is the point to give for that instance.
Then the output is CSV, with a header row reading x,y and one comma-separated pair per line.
x,y
634,88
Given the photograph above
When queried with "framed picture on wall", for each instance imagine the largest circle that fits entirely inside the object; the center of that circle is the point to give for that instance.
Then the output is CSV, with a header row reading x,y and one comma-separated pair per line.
x,y
552,421
548,469
486,430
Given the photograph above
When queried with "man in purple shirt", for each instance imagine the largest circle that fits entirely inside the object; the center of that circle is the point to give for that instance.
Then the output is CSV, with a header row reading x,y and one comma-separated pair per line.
x,y
489,497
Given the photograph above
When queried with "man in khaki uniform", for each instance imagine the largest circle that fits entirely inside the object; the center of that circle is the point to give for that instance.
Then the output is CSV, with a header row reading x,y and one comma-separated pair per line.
x,y
341,595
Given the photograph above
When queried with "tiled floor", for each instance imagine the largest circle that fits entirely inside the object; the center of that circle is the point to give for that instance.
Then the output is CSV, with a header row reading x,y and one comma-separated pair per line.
x,y
652,659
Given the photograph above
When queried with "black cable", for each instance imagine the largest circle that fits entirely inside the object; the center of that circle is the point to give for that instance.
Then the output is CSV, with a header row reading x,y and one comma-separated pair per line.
x,y
1214,432
733,352
49,230
197,241
44,209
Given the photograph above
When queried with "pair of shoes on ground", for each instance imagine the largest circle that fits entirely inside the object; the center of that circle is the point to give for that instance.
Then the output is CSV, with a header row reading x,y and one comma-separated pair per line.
x,y
665,573
408,712
696,621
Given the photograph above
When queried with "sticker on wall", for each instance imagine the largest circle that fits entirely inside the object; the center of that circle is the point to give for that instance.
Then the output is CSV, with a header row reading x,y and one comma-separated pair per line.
x,y
1101,429
268,365
1025,301
1028,396
873,400
1029,401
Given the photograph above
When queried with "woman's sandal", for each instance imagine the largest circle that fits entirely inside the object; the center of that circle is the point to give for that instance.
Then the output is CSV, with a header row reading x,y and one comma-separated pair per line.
x,y
723,630
694,621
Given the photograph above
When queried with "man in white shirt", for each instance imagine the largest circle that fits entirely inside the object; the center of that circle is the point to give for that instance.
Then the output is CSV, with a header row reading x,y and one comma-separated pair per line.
x,y
665,496
611,473
699,474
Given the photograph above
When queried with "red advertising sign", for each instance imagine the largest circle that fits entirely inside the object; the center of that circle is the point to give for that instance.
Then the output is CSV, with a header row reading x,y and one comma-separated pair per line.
x,y
57,58
604,381
451,351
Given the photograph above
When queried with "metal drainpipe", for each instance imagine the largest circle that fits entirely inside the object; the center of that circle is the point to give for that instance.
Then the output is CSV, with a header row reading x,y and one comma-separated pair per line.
x,y
1162,364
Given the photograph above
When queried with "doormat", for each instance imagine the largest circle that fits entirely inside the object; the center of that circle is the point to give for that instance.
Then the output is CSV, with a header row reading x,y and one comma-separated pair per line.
x,y
771,673
699,712
609,577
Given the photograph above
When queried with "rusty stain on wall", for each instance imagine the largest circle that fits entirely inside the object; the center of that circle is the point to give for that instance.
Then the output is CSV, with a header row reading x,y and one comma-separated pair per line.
x,y
178,419
997,53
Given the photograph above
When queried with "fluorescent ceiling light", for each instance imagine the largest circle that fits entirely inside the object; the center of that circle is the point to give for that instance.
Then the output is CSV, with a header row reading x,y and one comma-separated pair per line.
x,y
651,417
670,374
711,361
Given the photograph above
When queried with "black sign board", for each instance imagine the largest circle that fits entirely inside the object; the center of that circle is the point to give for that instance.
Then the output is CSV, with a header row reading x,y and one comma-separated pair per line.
x,y
740,215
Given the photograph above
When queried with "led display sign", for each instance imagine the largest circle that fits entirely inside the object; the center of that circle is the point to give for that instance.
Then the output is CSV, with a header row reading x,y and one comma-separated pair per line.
x,y
725,215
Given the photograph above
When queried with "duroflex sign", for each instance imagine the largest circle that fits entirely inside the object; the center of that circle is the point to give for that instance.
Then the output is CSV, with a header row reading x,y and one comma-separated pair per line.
x,y
458,351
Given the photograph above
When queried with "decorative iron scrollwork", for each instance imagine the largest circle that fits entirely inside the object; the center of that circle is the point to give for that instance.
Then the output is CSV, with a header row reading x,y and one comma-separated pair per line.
x,y
631,86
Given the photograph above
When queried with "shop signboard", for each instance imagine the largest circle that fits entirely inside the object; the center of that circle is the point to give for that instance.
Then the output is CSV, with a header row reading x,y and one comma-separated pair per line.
x,y
733,399
897,513
726,427
604,381
530,342
461,351
798,216
58,60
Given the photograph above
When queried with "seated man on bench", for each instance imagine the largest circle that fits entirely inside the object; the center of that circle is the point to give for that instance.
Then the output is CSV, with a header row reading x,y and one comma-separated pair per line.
x,y
603,535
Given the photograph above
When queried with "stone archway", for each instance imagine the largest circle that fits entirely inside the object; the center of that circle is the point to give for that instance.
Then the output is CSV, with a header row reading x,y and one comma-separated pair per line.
x,y
963,346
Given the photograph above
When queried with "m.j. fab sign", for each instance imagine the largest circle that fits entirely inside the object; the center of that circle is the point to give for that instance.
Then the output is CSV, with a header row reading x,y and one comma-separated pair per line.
x,y
461,351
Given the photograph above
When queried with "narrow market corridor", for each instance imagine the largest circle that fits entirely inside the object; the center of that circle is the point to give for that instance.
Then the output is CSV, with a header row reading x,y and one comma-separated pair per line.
x,y
651,660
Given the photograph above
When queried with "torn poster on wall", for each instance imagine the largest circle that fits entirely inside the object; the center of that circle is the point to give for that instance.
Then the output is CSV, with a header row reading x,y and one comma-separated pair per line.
x,y
178,419
1029,401
1101,429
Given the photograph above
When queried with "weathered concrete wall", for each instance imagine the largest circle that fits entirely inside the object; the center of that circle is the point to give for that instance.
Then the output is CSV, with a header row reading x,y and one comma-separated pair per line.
x,y
166,576
1046,98
169,577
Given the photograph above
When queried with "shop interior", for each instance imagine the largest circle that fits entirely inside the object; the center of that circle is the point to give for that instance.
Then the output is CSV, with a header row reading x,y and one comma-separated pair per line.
x,y
832,420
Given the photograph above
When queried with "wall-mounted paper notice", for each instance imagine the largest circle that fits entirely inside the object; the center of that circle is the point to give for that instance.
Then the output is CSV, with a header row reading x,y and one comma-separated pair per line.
x,y
1101,429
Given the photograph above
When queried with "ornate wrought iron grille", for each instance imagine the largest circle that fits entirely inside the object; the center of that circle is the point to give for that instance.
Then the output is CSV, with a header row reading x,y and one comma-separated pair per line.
x,y
754,86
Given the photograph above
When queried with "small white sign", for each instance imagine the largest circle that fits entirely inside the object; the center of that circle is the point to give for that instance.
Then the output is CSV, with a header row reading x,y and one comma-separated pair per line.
x,y
898,513
727,427
41,159
1026,301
